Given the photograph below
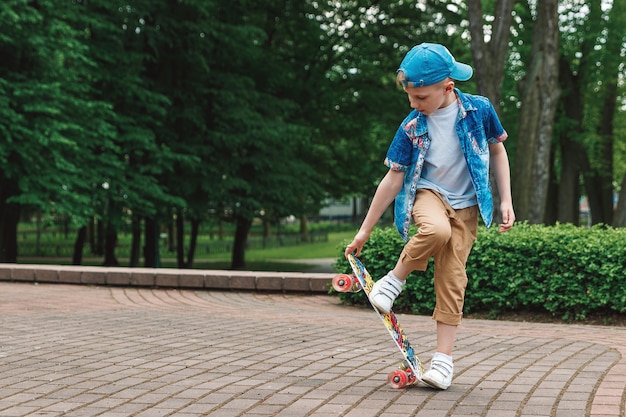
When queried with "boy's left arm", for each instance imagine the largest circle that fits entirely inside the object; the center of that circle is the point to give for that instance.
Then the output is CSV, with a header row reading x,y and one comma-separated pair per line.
x,y
500,164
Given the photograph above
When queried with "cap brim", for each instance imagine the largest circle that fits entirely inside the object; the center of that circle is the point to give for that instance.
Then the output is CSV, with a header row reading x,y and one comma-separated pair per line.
x,y
461,72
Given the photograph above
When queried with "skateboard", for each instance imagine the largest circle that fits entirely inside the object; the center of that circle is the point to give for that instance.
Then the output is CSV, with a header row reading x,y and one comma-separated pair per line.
x,y
411,369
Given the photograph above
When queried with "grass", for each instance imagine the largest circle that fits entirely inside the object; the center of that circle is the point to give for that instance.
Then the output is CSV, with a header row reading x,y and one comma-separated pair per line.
x,y
277,259
274,259
329,249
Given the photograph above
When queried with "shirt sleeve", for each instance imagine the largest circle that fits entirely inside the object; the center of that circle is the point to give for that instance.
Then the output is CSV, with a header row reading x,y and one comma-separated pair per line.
x,y
399,152
493,128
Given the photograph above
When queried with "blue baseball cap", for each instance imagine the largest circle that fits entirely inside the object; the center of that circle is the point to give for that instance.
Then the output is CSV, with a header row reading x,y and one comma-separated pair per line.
x,y
430,63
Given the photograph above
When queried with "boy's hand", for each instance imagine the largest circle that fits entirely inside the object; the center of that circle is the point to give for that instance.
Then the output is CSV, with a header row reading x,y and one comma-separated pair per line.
x,y
508,217
357,243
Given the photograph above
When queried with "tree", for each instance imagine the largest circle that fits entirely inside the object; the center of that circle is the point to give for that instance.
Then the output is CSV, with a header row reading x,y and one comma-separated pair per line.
x,y
539,94
49,121
168,112
600,179
253,136
177,42
125,179
490,57
491,54
591,56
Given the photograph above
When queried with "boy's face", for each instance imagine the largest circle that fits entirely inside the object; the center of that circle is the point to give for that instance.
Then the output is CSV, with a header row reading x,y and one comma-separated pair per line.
x,y
428,99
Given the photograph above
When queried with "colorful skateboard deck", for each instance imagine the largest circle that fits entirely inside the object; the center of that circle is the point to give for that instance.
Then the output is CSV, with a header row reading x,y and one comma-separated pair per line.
x,y
411,369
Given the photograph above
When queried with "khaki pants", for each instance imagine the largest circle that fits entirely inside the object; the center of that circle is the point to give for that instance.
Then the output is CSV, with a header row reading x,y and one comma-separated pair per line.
x,y
447,235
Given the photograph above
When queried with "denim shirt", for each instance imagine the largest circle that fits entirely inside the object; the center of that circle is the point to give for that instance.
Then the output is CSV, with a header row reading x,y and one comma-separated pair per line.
x,y
477,126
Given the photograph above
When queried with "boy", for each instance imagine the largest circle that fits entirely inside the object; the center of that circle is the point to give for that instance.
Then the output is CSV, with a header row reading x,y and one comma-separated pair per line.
x,y
439,176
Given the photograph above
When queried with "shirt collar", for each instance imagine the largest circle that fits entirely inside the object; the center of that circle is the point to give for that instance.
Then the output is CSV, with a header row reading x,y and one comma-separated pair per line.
x,y
465,104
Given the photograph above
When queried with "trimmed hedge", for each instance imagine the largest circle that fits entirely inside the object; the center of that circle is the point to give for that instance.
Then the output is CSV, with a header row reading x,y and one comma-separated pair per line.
x,y
567,271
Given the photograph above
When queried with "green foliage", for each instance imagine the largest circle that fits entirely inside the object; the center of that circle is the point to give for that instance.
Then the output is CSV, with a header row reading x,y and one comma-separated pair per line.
x,y
213,109
564,270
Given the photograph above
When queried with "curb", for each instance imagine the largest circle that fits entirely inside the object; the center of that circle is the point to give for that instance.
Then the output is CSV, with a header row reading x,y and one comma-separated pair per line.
x,y
302,282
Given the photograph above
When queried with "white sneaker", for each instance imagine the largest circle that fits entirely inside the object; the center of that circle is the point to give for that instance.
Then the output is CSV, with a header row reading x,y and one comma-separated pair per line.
x,y
440,373
385,291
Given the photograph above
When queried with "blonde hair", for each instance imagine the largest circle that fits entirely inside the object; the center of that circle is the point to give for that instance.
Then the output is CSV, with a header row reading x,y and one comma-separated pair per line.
x,y
401,79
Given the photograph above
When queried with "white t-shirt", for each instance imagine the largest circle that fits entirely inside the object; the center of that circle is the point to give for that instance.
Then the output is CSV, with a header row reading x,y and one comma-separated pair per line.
x,y
445,169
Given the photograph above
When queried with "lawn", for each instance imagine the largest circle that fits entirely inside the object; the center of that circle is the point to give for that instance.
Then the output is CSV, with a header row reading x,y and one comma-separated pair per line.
x,y
274,259
271,259
329,249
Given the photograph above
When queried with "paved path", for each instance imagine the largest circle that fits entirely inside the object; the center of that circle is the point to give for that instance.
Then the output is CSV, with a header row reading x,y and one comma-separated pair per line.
x,y
68,350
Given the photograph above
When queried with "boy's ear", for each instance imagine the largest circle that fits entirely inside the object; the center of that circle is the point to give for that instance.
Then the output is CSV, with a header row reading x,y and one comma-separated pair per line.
x,y
449,85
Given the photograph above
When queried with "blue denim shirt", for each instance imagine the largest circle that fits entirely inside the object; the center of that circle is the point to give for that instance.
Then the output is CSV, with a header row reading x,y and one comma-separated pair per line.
x,y
477,126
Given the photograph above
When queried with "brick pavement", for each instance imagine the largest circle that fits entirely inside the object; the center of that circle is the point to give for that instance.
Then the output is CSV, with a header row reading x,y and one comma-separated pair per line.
x,y
78,350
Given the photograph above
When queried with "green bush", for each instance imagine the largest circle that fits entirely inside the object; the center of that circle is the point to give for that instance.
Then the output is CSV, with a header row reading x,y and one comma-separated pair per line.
x,y
564,270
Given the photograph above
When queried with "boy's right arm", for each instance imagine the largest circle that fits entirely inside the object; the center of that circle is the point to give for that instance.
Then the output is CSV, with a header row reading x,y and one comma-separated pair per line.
x,y
387,190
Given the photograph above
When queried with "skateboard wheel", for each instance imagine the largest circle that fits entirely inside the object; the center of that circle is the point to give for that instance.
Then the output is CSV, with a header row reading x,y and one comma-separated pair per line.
x,y
398,379
344,283
406,367
412,379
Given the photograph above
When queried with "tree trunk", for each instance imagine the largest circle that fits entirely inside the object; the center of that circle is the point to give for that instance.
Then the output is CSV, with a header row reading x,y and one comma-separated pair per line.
x,y
151,247
599,184
38,235
135,244
99,237
242,229
568,191
614,45
579,153
193,242
91,234
610,71
171,233
489,60
79,245
491,56
180,239
110,242
552,197
9,219
570,146
539,94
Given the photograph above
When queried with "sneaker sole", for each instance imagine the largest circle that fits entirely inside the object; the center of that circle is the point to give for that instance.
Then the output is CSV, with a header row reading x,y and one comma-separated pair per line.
x,y
432,384
377,307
